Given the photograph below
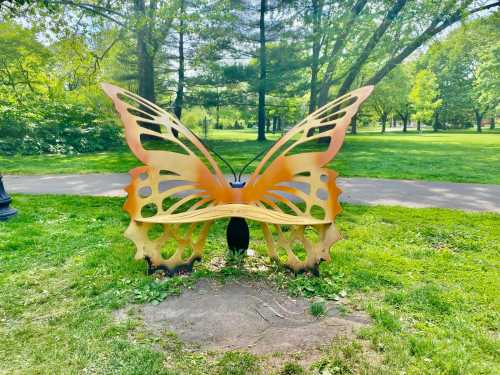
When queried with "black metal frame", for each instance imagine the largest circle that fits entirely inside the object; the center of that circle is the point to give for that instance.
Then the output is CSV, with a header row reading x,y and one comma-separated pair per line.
x,y
6,212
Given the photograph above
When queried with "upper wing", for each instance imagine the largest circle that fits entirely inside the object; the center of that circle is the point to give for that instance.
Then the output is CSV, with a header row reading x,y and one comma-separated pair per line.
x,y
167,172
289,173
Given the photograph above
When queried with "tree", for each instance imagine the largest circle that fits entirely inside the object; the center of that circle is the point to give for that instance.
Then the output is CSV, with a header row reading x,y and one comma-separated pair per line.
x,y
148,22
390,96
317,41
423,97
401,76
281,50
466,66
23,64
179,97
261,122
365,41
486,86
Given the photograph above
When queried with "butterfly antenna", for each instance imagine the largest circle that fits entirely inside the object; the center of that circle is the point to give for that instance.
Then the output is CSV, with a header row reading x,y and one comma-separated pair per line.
x,y
253,159
217,154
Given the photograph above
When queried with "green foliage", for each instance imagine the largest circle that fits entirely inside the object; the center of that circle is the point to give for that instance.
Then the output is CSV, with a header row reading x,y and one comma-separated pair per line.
x,y
390,96
344,359
238,363
467,70
487,84
291,368
424,96
156,291
317,308
55,128
48,104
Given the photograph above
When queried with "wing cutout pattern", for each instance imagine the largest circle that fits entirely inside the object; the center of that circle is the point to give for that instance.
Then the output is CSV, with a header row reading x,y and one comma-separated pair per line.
x,y
166,173
290,187
287,176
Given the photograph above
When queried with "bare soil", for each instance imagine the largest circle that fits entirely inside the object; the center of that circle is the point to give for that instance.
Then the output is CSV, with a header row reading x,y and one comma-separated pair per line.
x,y
246,315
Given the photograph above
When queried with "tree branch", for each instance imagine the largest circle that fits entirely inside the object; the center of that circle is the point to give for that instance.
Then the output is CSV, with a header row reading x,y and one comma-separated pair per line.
x,y
375,38
337,47
96,9
433,29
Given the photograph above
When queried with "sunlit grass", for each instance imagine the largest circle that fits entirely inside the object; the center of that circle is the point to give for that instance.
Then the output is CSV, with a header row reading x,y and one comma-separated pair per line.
x,y
428,278
444,156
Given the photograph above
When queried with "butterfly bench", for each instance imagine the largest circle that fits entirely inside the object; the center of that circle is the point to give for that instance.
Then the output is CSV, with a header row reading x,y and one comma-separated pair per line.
x,y
174,198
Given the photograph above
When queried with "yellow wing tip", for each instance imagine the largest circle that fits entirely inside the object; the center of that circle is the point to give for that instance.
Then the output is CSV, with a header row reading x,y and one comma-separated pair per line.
x,y
363,92
109,89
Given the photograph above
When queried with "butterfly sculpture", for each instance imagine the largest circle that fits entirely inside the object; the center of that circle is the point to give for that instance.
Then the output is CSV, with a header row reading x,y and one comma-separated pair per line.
x,y
180,190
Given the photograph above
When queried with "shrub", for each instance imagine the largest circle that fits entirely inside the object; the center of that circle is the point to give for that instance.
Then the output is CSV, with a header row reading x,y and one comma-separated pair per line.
x,y
55,128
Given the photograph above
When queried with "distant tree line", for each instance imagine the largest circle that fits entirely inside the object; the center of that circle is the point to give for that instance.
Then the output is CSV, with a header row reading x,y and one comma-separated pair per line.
x,y
454,84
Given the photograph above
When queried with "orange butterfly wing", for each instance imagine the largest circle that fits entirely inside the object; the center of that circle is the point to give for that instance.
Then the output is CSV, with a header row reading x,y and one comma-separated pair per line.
x,y
166,173
287,176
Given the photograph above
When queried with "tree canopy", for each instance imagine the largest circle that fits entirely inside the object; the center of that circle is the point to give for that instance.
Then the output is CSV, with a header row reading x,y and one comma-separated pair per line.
x,y
256,62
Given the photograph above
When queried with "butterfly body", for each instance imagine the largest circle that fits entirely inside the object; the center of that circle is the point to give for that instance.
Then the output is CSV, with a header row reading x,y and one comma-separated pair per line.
x,y
184,190
237,235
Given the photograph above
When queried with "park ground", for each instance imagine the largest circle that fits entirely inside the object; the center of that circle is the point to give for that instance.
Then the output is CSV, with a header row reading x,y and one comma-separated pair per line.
x,y
450,156
427,277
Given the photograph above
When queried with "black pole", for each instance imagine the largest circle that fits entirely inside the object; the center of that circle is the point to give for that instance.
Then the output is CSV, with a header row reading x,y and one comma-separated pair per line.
x,y
6,212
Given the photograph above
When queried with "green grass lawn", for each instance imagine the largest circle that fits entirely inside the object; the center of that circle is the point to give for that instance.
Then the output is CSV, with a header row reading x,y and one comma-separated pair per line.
x,y
428,277
451,156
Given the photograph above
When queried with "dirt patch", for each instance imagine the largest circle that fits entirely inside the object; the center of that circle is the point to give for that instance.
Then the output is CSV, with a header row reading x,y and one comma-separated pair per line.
x,y
246,315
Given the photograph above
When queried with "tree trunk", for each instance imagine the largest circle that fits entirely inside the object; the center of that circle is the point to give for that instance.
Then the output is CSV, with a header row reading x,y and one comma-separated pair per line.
x,y
205,128
419,126
492,123
217,110
262,78
383,120
313,94
479,119
435,124
405,123
275,123
145,57
179,97
217,115
145,61
354,124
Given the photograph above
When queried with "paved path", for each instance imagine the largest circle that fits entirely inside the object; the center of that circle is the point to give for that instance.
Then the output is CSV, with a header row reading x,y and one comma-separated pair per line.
x,y
471,197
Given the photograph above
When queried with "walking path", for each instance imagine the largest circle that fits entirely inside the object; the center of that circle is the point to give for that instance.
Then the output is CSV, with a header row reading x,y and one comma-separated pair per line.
x,y
470,197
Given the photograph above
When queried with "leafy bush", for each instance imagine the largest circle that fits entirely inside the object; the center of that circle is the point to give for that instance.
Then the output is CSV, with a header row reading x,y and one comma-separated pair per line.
x,y
55,128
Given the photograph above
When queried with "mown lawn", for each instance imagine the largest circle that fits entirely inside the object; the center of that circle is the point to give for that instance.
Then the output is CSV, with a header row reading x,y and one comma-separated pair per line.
x,y
451,156
428,277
